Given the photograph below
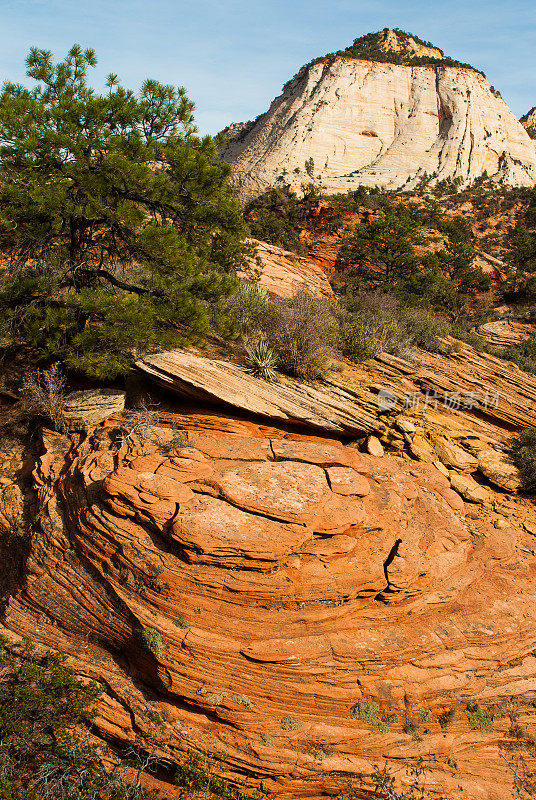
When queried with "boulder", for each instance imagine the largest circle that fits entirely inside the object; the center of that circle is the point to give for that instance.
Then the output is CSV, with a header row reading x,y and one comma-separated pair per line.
x,y
88,407
374,447
468,488
454,456
322,405
495,466
421,448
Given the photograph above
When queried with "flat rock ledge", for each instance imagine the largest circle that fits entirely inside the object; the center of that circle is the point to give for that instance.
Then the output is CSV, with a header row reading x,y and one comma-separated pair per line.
x,y
328,408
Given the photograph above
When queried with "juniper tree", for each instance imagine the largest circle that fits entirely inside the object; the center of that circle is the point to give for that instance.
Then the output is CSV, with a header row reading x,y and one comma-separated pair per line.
x,y
116,218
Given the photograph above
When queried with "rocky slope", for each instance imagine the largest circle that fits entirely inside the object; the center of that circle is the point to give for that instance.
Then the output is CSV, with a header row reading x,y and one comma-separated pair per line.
x,y
344,121
293,584
318,609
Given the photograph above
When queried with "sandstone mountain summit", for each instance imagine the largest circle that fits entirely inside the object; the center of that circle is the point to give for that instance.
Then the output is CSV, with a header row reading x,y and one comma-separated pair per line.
x,y
390,111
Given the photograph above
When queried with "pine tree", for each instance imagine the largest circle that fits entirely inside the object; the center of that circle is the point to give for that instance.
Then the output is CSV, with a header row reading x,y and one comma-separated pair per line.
x,y
117,218
382,253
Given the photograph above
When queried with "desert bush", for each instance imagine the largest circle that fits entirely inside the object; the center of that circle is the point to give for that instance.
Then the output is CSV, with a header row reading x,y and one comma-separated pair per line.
x,y
478,718
303,334
44,390
422,329
368,711
366,338
140,423
201,775
45,751
523,455
446,717
291,724
373,322
523,354
180,439
150,640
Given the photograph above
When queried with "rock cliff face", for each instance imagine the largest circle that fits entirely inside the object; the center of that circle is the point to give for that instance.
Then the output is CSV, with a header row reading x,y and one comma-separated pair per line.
x,y
529,122
283,273
345,121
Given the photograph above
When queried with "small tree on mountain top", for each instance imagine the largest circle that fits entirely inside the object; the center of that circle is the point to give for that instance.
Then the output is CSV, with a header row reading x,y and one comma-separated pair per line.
x,y
117,218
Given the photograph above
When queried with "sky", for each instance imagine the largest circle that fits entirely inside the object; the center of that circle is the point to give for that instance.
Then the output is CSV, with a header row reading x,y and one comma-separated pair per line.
x,y
233,56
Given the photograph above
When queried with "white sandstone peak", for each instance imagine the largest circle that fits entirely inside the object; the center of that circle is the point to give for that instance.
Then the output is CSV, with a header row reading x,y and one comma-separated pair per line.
x,y
345,121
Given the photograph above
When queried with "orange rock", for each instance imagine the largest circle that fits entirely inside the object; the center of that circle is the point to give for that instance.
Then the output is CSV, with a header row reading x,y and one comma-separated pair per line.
x,y
291,582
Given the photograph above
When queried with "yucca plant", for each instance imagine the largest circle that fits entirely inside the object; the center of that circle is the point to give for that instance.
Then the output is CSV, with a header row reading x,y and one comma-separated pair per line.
x,y
261,360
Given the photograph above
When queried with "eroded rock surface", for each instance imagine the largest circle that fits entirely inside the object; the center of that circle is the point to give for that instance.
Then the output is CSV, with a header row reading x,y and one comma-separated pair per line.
x,y
457,409
528,121
326,408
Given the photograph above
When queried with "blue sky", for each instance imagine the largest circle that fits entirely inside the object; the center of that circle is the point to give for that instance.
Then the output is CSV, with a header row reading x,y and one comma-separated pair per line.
x,y
234,56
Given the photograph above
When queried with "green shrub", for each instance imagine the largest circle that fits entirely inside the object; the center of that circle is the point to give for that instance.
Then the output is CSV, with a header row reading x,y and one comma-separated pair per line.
x,y
424,714
249,307
479,719
290,724
45,391
372,322
151,640
243,700
366,338
368,711
179,440
43,750
522,451
523,354
201,773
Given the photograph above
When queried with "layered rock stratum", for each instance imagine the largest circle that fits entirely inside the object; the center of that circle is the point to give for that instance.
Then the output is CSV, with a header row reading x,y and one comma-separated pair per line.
x,y
344,121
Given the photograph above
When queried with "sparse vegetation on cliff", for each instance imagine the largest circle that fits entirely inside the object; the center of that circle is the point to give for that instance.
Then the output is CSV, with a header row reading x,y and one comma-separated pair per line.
x,y
151,640
45,747
373,47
